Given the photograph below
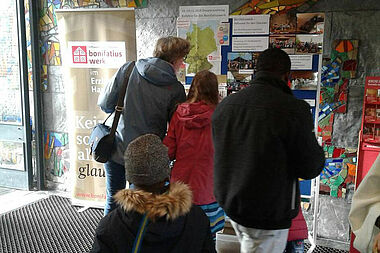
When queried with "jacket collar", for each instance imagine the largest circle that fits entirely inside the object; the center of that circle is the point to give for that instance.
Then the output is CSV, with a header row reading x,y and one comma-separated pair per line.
x,y
176,202
273,80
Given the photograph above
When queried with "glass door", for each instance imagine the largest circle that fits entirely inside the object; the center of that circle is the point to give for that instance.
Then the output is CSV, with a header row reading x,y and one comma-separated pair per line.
x,y
15,122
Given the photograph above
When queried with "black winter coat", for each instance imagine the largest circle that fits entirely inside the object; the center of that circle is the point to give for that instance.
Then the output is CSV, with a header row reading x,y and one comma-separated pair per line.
x,y
264,141
175,225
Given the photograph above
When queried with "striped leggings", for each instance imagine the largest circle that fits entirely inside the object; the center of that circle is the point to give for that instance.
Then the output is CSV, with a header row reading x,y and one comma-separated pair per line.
x,y
216,216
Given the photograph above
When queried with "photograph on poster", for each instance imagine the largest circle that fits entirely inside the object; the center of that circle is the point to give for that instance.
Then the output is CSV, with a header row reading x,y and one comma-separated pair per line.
x,y
237,81
243,62
283,23
309,44
284,42
310,23
304,80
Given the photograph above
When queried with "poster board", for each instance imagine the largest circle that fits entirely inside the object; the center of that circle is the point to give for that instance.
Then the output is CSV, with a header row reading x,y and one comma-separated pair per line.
x,y
95,43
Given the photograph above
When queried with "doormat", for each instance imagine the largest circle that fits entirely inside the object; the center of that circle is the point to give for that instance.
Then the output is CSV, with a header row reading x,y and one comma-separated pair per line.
x,y
48,225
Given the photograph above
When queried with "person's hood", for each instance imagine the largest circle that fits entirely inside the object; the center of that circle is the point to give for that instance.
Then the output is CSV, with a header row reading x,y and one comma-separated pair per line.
x,y
172,204
166,212
195,115
156,71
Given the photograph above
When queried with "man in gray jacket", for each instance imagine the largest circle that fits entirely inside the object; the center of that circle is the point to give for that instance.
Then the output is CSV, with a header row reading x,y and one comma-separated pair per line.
x,y
152,94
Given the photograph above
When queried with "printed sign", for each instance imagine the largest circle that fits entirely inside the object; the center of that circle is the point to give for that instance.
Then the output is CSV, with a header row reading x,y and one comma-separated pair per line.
x,y
213,12
304,62
94,54
250,24
250,44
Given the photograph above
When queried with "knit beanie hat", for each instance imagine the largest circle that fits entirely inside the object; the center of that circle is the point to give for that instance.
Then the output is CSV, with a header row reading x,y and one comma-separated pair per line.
x,y
146,160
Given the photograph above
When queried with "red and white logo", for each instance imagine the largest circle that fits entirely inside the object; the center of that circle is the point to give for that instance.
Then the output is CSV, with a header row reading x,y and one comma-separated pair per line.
x,y
79,54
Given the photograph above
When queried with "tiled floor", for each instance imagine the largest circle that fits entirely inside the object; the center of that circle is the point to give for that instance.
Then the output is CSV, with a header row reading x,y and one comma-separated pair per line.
x,y
11,199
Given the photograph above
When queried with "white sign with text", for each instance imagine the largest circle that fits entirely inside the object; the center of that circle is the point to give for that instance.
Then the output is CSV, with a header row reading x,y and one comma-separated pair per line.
x,y
219,12
250,44
250,24
301,62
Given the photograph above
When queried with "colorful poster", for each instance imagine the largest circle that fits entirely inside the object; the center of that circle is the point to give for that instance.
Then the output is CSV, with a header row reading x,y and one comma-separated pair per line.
x,y
90,59
250,44
250,25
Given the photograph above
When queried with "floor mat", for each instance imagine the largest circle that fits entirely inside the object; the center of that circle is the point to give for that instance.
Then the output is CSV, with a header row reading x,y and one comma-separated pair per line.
x,y
48,225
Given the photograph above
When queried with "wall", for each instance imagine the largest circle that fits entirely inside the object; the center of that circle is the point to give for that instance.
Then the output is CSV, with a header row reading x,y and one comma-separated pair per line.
x,y
348,20
345,19
157,20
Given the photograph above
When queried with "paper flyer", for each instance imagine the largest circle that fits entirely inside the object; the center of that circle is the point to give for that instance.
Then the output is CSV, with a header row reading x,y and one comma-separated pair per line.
x,y
250,24
250,44
304,62
219,12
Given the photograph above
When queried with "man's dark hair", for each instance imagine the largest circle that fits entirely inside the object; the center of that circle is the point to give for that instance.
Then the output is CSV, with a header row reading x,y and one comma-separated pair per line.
x,y
273,60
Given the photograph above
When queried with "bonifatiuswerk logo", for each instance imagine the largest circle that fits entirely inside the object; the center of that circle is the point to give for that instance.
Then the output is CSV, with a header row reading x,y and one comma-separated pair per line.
x,y
79,54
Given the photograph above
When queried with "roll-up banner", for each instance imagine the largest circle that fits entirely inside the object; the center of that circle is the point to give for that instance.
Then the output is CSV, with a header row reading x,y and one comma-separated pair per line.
x,y
94,44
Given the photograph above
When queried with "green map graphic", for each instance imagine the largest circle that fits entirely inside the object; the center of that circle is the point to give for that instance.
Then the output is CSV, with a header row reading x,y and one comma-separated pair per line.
x,y
202,43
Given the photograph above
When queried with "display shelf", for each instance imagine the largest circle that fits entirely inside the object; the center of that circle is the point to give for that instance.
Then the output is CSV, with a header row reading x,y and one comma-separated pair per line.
x,y
375,122
372,102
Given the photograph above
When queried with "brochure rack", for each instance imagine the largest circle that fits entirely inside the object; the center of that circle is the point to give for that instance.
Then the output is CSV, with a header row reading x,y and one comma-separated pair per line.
x,y
369,138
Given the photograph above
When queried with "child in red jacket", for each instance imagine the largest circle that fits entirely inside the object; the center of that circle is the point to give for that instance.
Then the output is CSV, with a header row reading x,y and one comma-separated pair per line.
x,y
297,234
190,143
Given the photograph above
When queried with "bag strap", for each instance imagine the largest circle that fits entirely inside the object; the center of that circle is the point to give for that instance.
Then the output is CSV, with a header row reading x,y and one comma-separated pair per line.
x,y
120,101
140,235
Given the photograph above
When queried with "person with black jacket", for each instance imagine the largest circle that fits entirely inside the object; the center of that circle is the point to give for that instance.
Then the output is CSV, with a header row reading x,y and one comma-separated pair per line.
x,y
264,141
174,224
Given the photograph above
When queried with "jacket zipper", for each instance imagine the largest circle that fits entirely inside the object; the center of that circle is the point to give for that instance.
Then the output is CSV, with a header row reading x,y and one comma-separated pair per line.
x,y
293,204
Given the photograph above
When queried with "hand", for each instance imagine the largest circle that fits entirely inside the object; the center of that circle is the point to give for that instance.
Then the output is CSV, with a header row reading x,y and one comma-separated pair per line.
x,y
376,244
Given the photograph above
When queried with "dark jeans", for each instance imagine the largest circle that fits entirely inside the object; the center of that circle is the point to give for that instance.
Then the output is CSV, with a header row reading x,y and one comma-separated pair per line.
x,y
296,246
115,181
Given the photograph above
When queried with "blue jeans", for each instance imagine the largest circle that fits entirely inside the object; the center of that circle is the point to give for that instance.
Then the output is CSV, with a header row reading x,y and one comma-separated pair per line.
x,y
296,246
115,181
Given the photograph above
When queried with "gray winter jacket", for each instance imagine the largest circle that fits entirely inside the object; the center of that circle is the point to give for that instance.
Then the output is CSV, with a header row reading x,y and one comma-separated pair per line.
x,y
153,92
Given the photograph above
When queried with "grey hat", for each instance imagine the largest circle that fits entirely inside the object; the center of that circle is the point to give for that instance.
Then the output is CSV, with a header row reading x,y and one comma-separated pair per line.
x,y
146,160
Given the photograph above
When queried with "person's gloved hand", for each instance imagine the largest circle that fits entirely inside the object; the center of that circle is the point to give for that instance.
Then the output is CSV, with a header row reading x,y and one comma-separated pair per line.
x,y
376,244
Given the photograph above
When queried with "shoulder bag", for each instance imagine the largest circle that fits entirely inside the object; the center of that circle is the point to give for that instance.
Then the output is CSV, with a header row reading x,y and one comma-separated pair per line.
x,y
102,137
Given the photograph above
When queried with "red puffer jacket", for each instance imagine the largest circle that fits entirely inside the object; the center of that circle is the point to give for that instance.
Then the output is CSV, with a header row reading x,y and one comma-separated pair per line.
x,y
190,142
298,229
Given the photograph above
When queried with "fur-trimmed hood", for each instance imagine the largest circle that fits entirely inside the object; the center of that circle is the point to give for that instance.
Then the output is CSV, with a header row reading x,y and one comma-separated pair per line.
x,y
173,204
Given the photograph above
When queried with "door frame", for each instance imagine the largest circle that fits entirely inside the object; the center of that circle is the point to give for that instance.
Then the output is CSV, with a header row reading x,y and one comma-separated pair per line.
x,y
20,179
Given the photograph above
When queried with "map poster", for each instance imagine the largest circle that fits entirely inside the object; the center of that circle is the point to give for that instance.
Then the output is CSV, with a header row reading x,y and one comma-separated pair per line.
x,y
205,39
